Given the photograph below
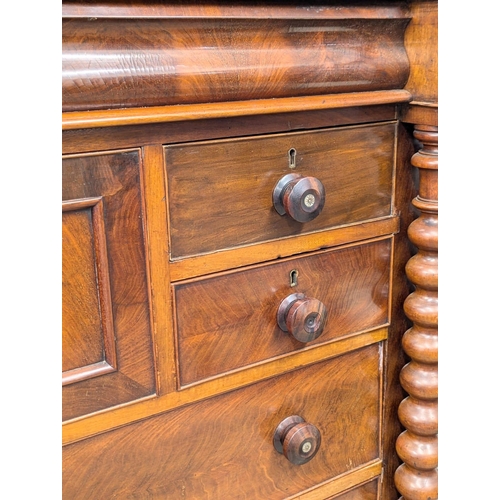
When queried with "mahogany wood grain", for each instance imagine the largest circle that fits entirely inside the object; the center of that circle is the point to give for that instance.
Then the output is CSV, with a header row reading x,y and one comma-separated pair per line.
x,y
135,62
417,446
421,43
77,430
226,70
105,284
293,9
368,491
130,136
405,186
300,198
159,270
195,112
230,320
82,327
348,483
231,439
279,249
416,478
89,347
421,113
302,317
220,192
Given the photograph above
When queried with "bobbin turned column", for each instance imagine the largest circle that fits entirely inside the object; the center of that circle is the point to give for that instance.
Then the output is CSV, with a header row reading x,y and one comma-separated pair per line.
x,y
417,446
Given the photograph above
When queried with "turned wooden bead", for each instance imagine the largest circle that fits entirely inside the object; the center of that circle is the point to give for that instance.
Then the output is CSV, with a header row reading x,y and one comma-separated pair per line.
x,y
416,478
416,484
418,416
420,452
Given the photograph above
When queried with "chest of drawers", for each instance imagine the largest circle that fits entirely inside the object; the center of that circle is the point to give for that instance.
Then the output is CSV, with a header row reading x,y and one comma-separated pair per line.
x,y
236,188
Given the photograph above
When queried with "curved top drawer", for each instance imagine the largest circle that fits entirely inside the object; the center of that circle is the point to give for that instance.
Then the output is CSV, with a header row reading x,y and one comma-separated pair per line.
x,y
129,62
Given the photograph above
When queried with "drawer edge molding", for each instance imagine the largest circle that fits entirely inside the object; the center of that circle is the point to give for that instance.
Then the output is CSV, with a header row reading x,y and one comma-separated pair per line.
x,y
189,112
201,265
342,483
100,422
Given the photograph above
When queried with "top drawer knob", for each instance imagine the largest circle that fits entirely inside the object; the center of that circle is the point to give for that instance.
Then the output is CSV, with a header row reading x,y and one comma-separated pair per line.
x,y
302,198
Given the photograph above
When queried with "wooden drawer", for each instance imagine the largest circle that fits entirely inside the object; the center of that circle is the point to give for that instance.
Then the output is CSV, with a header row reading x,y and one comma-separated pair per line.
x,y
223,447
107,344
368,491
230,320
221,192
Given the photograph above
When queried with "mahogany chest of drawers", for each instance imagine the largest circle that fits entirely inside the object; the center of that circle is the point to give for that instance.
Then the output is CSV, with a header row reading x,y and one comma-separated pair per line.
x,y
236,195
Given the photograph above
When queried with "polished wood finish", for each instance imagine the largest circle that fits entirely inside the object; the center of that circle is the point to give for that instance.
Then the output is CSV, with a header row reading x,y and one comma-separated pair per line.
x,y
303,317
417,477
300,198
207,288
297,440
234,204
199,9
121,62
96,138
395,359
421,43
107,344
417,446
262,107
99,423
230,321
368,491
279,249
232,439
88,333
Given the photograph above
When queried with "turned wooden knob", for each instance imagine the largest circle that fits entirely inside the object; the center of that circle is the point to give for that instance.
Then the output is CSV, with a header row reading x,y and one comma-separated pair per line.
x,y
303,317
302,198
297,440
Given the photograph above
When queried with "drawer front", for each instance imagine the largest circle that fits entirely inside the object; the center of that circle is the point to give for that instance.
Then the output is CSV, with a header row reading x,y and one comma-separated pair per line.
x,y
223,447
221,192
107,344
230,320
368,491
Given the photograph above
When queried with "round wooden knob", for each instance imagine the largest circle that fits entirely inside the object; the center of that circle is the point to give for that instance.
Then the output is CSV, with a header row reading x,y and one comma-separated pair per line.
x,y
302,198
297,440
304,318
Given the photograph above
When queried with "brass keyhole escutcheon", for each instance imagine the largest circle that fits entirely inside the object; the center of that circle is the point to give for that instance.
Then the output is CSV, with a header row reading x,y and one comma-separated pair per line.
x,y
294,278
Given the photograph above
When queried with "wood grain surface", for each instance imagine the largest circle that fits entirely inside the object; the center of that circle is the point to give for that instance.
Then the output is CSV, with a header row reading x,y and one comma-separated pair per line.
x,y
230,321
417,446
128,62
220,192
223,447
368,491
105,303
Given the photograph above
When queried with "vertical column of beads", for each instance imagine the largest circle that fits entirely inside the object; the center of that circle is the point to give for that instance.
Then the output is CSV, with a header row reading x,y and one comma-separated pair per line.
x,y
416,478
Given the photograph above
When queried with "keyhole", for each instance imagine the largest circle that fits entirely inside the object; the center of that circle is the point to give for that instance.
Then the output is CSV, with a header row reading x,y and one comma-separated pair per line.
x,y
294,278
291,158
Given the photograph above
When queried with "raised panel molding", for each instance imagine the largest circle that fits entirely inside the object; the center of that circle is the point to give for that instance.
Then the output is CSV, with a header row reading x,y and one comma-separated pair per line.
x,y
85,255
107,333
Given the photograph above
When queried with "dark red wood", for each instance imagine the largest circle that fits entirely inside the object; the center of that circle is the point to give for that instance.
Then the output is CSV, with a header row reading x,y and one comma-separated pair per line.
x,y
126,62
